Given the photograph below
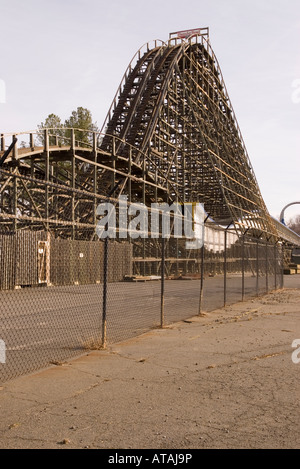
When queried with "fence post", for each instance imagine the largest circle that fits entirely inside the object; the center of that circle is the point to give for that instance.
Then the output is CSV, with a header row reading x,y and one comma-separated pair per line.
x,y
202,267
104,299
267,267
275,266
225,267
201,279
243,267
257,268
105,277
162,284
225,263
282,265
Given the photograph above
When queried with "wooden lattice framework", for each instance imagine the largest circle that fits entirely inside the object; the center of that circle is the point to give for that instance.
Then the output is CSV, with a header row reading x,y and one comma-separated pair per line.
x,y
171,135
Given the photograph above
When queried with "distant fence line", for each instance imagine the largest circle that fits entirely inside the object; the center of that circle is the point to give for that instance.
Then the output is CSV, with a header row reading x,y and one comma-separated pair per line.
x,y
29,258
32,258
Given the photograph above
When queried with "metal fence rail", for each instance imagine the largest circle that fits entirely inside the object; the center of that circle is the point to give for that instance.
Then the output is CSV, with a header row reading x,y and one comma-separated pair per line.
x,y
60,297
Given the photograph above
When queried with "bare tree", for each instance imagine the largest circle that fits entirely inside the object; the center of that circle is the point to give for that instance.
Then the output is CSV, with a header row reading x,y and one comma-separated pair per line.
x,y
294,224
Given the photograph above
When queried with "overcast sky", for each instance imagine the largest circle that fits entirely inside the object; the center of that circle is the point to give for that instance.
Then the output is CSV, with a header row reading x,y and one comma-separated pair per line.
x,y
60,54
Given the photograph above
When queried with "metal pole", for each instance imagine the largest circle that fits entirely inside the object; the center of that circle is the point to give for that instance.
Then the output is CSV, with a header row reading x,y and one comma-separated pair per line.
x,y
104,303
267,262
243,268
257,269
202,266
225,267
201,279
275,266
225,263
162,295
282,266
105,277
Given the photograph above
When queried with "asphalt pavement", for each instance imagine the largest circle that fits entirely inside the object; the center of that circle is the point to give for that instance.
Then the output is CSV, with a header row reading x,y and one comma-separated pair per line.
x,y
225,379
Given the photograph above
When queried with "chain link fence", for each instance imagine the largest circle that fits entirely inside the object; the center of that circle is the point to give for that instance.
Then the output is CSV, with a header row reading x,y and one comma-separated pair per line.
x,y
61,297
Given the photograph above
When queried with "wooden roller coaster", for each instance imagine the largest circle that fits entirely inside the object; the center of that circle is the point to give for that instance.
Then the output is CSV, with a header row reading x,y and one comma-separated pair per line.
x,y
170,135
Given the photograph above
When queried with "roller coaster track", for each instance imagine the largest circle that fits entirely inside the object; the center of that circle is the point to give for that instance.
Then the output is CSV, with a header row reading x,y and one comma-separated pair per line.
x,y
170,135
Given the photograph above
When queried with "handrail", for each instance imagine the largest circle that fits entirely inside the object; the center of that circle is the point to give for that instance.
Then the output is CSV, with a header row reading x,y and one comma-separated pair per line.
x,y
63,137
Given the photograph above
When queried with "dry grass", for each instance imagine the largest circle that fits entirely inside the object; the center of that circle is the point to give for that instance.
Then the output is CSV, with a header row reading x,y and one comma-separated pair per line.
x,y
92,344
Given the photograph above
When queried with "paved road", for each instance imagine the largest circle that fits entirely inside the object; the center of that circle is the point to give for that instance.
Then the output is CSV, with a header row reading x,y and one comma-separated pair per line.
x,y
223,380
44,325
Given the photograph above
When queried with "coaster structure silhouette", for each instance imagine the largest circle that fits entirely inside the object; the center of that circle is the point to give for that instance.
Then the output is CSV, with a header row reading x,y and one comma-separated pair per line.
x,y
170,136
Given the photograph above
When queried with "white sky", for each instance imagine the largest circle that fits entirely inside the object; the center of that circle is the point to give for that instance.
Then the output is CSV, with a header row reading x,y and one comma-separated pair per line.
x,y
60,54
